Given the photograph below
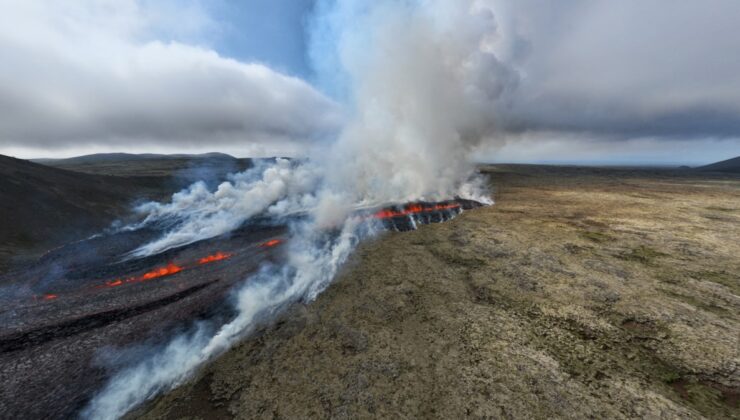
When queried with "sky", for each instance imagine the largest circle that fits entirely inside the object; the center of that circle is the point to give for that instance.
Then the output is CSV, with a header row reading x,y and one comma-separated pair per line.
x,y
582,81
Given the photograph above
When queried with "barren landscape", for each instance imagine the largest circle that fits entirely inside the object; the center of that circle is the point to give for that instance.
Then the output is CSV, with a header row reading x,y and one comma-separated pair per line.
x,y
584,292
432,209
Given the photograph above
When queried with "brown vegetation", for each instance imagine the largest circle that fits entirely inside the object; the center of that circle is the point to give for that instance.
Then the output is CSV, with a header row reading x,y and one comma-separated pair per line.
x,y
581,293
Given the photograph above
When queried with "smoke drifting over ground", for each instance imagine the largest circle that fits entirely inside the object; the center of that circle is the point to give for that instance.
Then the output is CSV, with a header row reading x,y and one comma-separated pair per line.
x,y
198,213
403,142
314,258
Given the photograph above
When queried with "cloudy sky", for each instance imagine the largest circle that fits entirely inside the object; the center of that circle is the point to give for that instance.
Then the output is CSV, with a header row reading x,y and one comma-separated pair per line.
x,y
594,81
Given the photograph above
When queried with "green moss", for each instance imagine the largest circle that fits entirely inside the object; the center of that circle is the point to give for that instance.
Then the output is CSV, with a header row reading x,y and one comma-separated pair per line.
x,y
642,254
696,302
720,277
596,236
670,277
722,209
669,376
454,256
709,398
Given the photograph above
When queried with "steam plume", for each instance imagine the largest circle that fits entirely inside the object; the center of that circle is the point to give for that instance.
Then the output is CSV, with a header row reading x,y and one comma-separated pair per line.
x,y
423,84
197,213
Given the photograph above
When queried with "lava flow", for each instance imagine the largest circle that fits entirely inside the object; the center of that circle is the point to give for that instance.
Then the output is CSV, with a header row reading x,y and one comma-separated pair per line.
x,y
414,209
271,243
215,257
168,270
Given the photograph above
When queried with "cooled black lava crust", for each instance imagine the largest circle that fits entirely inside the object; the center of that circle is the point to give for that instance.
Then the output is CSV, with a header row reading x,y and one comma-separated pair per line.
x,y
55,353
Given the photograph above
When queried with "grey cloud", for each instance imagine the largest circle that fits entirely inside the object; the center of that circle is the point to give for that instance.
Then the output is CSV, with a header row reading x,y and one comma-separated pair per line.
x,y
93,73
87,74
624,69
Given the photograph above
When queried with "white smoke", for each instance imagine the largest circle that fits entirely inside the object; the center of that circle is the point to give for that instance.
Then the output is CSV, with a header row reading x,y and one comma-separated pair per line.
x,y
424,87
274,189
425,84
314,259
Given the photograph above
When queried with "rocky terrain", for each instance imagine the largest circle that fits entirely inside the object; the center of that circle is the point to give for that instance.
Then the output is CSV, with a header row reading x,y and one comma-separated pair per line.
x,y
42,207
51,202
599,293
82,311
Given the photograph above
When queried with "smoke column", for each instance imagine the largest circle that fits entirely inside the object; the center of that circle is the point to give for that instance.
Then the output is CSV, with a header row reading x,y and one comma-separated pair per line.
x,y
421,83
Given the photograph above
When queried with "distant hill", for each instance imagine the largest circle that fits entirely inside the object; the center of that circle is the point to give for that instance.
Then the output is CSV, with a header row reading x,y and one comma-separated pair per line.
x,y
172,171
42,206
47,202
729,165
126,164
121,157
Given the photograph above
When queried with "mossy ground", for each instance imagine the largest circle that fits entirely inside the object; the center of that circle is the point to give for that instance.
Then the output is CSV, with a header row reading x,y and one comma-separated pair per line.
x,y
581,293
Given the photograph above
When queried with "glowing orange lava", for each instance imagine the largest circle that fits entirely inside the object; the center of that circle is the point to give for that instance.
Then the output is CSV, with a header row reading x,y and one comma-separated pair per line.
x,y
215,257
169,270
414,209
271,243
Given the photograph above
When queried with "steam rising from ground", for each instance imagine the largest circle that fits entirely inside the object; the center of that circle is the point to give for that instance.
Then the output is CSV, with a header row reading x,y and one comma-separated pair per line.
x,y
314,258
424,83
198,213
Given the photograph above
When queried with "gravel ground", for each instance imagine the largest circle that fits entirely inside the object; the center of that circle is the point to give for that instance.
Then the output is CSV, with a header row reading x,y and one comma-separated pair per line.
x,y
601,293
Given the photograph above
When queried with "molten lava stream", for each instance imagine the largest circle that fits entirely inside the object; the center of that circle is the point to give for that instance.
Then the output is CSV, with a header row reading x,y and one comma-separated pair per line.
x,y
271,243
413,209
215,257
167,270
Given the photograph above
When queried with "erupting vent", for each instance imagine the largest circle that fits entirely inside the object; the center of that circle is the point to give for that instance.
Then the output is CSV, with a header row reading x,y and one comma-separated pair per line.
x,y
408,216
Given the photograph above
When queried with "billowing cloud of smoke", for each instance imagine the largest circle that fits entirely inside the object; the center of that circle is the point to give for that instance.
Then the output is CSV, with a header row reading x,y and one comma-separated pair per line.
x,y
424,85
274,190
